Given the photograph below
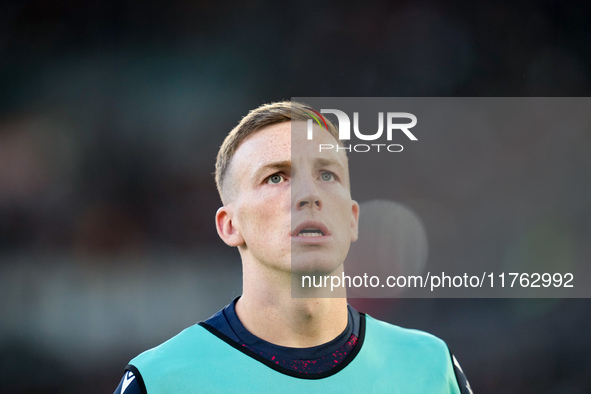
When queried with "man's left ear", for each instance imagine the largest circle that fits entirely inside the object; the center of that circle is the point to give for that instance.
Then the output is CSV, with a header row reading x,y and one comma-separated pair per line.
x,y
354,221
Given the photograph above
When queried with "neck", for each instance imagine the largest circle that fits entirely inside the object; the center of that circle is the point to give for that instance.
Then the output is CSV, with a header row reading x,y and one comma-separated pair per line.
x,y
268,311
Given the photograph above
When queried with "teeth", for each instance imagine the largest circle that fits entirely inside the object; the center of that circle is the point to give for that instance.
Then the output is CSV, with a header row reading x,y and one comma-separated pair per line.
x,y
310,233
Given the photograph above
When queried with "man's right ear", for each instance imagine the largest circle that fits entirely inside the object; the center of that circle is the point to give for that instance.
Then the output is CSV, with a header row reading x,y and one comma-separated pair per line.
x,y
227,230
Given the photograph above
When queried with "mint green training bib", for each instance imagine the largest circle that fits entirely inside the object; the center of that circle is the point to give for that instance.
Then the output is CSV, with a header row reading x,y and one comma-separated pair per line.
x,y
386,359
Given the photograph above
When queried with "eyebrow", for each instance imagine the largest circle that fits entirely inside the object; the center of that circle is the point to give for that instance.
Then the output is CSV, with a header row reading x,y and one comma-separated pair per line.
x,y
276,166
322,162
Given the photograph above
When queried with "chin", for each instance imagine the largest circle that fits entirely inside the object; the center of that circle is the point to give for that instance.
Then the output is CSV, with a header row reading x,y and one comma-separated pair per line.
x,y
315,266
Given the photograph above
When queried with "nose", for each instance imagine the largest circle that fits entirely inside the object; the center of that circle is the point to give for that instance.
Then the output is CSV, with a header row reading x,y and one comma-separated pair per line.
x,y
305,194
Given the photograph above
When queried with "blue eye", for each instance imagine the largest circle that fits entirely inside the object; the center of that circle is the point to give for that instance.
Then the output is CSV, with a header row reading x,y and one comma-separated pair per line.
x,y
327,176
275,179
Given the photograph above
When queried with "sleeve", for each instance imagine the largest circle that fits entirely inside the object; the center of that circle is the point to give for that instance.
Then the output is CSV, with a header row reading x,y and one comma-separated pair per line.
x,y
461,377
129,384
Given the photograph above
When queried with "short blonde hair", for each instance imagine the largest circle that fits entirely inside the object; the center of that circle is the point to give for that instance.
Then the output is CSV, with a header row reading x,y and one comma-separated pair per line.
x,y
263,116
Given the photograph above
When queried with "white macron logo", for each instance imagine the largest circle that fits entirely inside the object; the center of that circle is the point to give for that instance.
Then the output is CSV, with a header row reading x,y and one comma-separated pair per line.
x,y
127,381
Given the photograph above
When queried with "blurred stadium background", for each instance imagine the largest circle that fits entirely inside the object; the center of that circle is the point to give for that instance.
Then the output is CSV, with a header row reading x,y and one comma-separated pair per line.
x,y
111,114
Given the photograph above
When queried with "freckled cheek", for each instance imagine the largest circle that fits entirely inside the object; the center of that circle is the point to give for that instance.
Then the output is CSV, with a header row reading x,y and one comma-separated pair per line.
x,y
267,220
265,213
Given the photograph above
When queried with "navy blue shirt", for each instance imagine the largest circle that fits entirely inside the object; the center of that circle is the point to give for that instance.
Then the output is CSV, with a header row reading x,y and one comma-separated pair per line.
x,y
301,360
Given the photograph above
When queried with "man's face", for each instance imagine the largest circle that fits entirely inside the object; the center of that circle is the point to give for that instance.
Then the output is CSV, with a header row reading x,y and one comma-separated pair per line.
x,y
293,206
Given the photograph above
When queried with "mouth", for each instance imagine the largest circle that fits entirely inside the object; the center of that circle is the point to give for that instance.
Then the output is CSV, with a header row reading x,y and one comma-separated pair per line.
x,y
310,229
310,232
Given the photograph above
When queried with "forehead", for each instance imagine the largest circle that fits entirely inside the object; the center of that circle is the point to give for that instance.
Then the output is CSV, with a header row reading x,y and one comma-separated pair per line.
x,y
285,142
